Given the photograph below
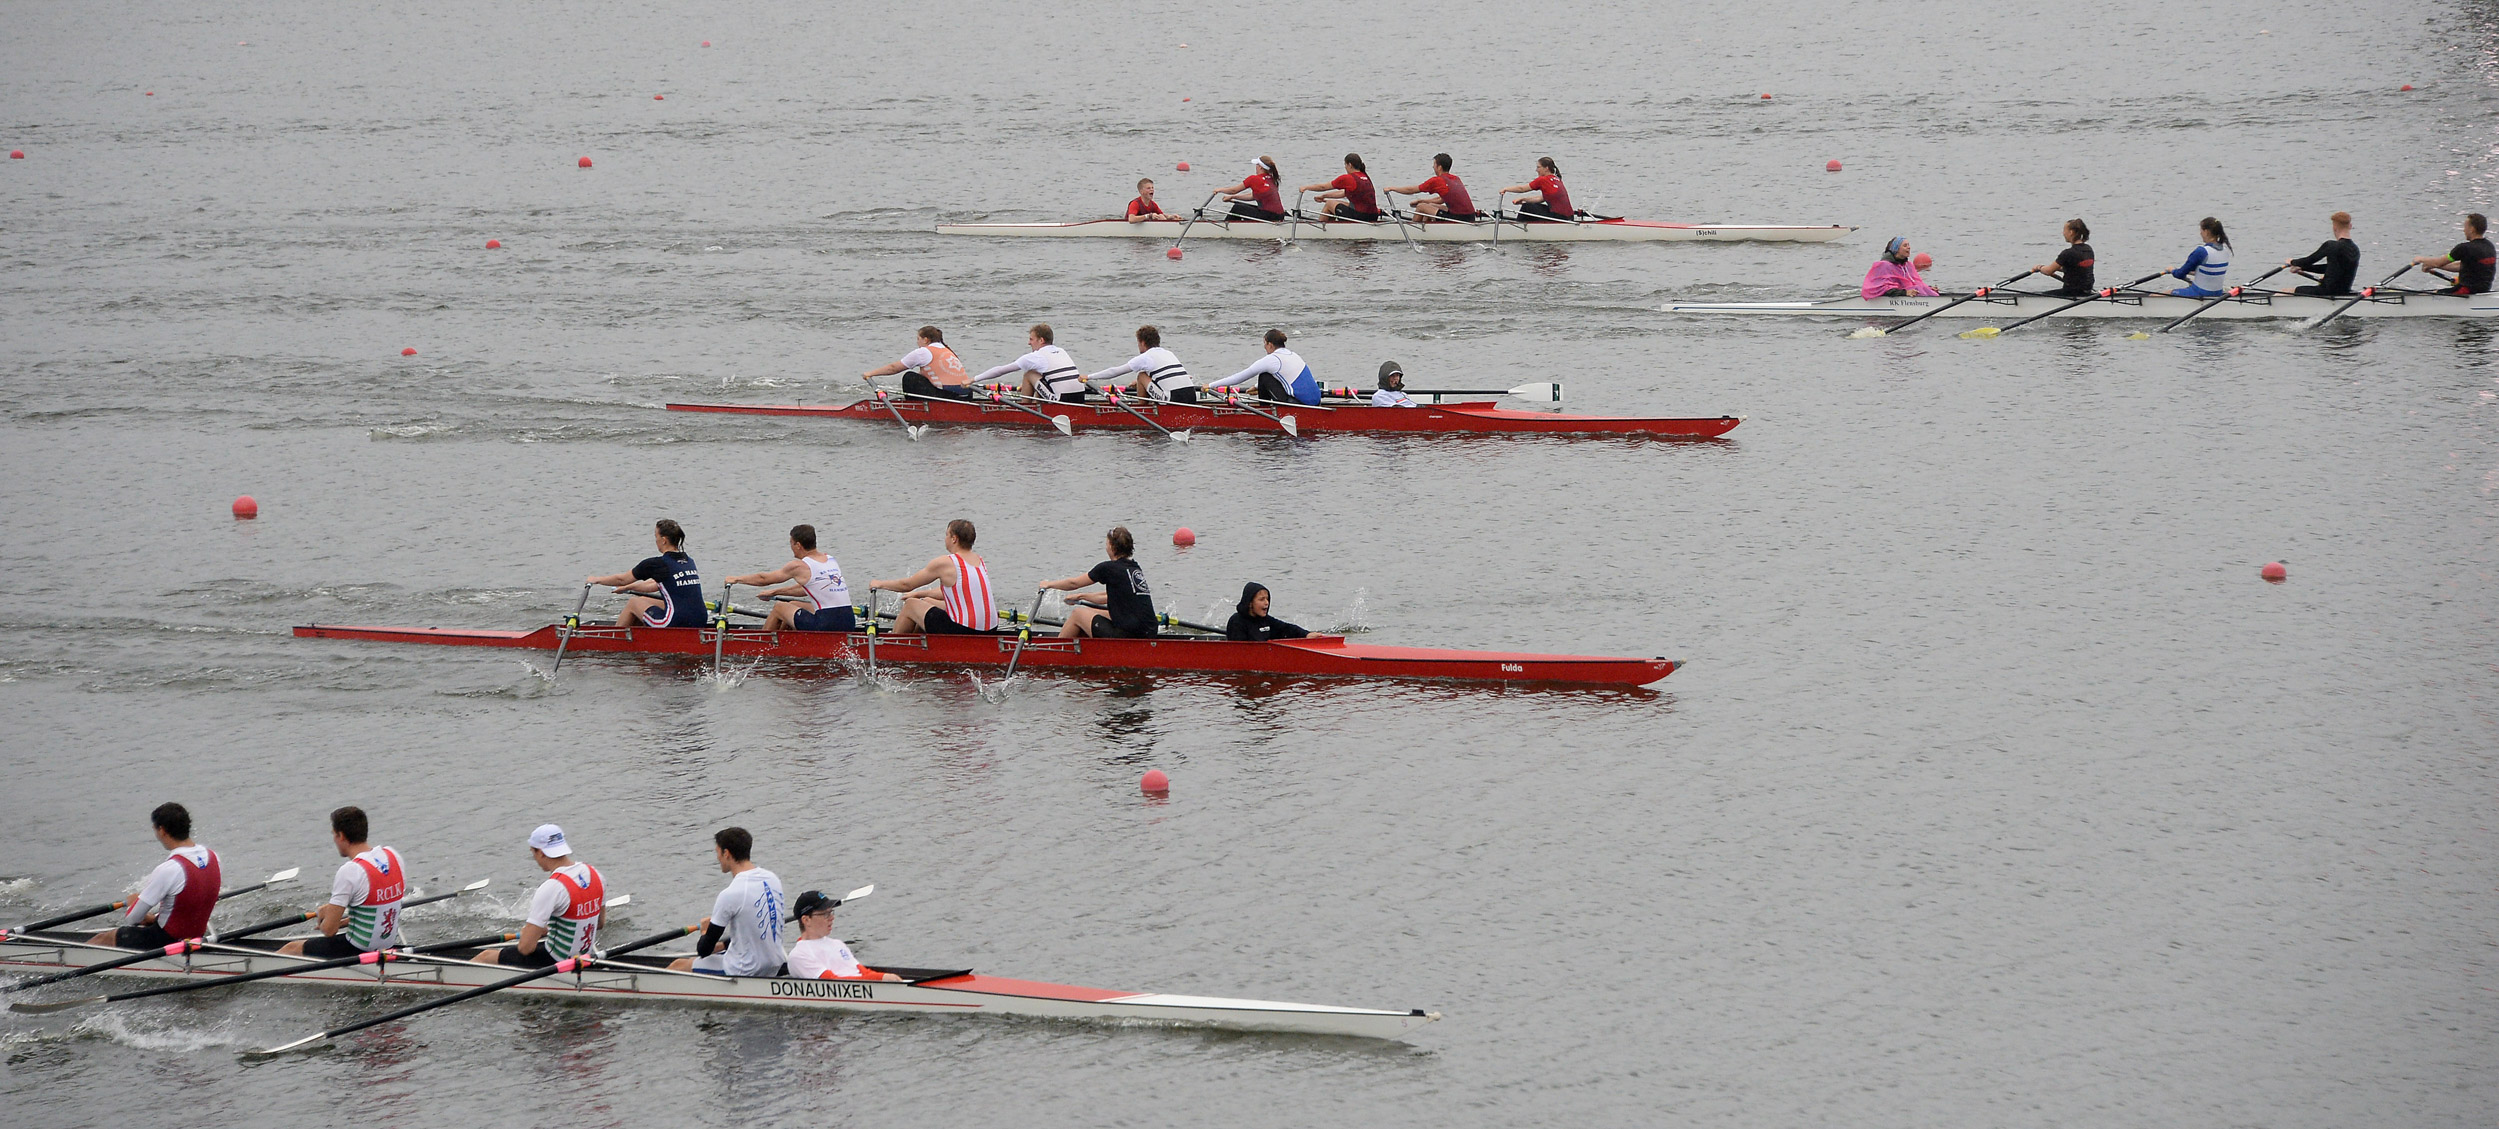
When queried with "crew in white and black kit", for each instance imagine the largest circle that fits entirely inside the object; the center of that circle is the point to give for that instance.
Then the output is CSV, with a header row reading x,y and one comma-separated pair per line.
x,y
175,901
815,577
742,937
1159,374
1049,372
362,915
2332,264
1126,604
665,590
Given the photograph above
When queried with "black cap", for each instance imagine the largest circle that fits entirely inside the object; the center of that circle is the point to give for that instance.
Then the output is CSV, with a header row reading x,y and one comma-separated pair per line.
x,y
813,901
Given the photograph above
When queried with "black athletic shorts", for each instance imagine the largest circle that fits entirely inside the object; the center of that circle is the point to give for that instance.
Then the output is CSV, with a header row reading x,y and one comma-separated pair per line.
x,y
147,936
1103,628
2321,292
918,384
510,956
1540,213
1184,395
939,623
331,947
1244,210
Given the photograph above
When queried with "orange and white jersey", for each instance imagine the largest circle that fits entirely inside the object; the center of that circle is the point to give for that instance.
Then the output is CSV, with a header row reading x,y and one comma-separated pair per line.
x,y
567,905
968,600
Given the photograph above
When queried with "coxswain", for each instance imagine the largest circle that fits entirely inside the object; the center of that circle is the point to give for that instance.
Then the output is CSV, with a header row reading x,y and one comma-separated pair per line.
x,y
2332,264
664,591
1159,374
2471,259
1049,373
1392,390
1250,622
2073,264
1144,207
819,600
362,915
1442,196
565,912
932,369
1124,610
960,604
1350,196
1280,376
1543,199
174,902
1894,275
1256,197
742,937
2207,267
819,955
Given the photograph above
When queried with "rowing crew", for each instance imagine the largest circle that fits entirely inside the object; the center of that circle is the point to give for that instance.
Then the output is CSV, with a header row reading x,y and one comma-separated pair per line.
x,y
2466,268
950,595
1046,372
741,937
1351,196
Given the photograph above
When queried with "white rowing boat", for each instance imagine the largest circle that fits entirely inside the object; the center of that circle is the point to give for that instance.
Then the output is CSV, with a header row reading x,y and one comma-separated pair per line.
x,y
2009,305
924,991
1590,231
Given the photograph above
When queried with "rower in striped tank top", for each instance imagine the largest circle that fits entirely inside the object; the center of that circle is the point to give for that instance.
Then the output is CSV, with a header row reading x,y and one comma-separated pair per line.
x,y
950,594
1159,374
362,915
565,912
821,600
1049,373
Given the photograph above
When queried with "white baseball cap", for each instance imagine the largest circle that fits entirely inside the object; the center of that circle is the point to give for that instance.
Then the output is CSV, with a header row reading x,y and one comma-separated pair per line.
x,y
549,838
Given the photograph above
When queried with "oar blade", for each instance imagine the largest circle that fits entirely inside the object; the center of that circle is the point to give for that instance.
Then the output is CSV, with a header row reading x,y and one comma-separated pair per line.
x,y
55,1005
306,1041
1865,332
1180,436
1061,422
620,900
286,875
1292,427
1543,392
1982,331
859,893
2138,335
480,884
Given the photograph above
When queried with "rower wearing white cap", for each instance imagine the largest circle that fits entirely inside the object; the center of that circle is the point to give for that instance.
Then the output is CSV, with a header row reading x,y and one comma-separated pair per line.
x,y
1159,373
1392,390
1280,376
1048,371
813,574
363,912
564,913
747,914
1256,197
819,955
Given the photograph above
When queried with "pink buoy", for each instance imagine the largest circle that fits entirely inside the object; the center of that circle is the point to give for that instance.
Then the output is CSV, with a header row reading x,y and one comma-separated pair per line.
x,y
1154,783
409,352
1173,254
2274,571
245,508
1832,166
1182,536
707,43
585,162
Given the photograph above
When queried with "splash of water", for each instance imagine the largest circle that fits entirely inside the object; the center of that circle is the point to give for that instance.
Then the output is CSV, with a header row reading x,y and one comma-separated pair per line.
x,y
116,1027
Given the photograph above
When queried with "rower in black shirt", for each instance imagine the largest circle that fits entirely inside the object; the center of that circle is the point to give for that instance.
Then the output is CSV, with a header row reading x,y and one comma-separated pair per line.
x,y
2340,258
2074,264
1250,623
2472,259
662,591
1128,604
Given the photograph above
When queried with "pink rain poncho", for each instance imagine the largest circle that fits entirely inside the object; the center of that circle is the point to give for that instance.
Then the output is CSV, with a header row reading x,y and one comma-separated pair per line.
x,y
1887,275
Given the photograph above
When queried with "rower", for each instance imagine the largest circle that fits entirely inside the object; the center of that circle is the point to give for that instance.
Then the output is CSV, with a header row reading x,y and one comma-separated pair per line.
x,y
819,955
1144,207
1256,198
2074,263
2339,256
1280,376
1049,373
748,913
174,902
930,370
1349,196
1159,374
1442,196
2472,260
666,592
1128,602
362,915
813,576
2207,267
961,604
1894,275
1250,622
565,912
1544,199
1392,390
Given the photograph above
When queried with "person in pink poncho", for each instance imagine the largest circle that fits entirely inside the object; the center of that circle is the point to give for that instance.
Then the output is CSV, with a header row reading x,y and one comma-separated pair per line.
x,y
1892,276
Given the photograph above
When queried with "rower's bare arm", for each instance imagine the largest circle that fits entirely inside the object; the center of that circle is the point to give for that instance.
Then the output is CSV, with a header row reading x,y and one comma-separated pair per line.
x,y
781,575
928,574
884,370
1070,584
610,581
328,919
530,936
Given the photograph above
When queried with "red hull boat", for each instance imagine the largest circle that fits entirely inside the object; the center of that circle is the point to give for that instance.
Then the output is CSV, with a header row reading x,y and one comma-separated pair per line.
x,y
1469,418
1321,656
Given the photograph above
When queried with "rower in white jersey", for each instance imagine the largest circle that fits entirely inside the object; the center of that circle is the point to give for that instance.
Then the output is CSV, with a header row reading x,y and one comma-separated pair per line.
x,y
819,955
565,912
1280,376
1159,373
2207,269
742,937
950,594
1049,372
362,915
175,901
822,601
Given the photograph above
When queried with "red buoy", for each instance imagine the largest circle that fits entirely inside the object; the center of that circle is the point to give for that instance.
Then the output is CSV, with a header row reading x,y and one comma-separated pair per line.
x,y
151,94
1182,166
1154,783
2407,86
407,352
245,508
1765,97
1923,261
585,162
1182,536
659,97
1832,166
2274,571
1184,99
1172,254
707,43
494,244
17,154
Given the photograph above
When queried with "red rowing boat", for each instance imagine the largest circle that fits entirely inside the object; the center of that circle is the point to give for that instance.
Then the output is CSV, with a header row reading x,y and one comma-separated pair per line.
x,y
1323,656
1470,418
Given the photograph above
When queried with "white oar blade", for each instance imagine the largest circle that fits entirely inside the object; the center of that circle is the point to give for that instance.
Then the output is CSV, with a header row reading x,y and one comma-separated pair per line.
x,y
859,893
1060,422
1181,435
1545,393
480,884
620,900
305,1041
1868,331
286,875
1292,426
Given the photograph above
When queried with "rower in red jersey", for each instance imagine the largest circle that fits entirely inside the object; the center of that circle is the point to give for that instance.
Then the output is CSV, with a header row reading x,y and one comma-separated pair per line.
x,y
950,595
1256,198
1144,207
175,901
1544,200
1349,197
565,912
362,915
1441,197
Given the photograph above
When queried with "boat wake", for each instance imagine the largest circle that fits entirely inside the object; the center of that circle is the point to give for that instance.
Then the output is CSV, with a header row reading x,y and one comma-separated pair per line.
x,y
116,1028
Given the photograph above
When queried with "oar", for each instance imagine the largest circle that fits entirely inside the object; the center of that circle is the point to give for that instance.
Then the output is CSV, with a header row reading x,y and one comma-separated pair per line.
x,y
1991,331
720,629
2232,292
572,623
2365,293
377,957
888,404
178,948
998,395
1981,292
1180,436
1294,228
1174,621
1546,392
1023,635
557,969
873,597
1290,425
1194,216
852,896
91,911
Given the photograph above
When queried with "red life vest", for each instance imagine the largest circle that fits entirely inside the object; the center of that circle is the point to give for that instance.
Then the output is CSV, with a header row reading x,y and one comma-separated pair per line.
x,y
198,898
383,888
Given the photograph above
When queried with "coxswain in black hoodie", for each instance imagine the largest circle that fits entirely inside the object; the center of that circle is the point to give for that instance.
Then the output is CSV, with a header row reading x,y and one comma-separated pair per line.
x,y
1252,624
